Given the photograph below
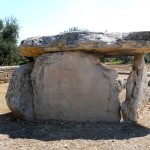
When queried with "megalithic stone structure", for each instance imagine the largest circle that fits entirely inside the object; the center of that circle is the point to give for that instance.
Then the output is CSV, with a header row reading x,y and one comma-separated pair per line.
x,y
67,80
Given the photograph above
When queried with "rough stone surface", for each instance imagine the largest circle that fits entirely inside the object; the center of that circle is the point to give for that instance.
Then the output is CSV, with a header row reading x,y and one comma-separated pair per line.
x,y
74,86
107,44
121,84
20,93
137,86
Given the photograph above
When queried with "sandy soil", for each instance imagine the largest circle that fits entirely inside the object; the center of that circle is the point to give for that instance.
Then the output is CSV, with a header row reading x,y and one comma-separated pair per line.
x,y
57,135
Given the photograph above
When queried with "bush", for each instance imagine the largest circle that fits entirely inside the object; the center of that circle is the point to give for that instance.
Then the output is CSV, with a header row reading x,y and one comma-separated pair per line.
x,y
147,58
75,29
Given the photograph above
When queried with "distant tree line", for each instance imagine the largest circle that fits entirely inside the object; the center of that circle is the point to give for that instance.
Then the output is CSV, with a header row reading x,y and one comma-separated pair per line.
x,y
124,59
121,60
129,59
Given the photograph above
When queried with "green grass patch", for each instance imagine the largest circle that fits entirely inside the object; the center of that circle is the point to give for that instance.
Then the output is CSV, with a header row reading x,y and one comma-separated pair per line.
x,y
116,62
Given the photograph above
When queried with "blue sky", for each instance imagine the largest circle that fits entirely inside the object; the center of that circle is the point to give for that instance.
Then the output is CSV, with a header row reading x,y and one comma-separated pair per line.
x,y
48,17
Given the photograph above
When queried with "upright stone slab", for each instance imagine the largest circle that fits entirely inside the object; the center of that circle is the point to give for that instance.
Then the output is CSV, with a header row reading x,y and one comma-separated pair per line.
x,y
74,86
136,90
19,95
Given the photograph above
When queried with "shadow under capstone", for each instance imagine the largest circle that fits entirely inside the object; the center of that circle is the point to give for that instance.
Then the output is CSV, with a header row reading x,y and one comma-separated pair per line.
x,y
53,130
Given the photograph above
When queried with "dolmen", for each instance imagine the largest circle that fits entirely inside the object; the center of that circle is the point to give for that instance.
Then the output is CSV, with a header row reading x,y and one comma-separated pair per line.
x,y
67,81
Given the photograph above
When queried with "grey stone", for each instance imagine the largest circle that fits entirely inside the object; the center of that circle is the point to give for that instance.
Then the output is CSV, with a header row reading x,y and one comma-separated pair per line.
x,y
107,44
20,93
74,86
121,84
136,90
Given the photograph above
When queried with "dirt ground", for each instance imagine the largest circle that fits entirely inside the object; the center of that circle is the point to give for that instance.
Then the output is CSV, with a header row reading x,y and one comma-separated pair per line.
x,y
59,135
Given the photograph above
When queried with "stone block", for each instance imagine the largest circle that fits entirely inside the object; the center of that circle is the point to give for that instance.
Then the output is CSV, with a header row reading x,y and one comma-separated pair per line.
x,y
74,86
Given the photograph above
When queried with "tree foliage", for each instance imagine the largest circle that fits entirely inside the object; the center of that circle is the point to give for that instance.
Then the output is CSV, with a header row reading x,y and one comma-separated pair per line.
x,y
9,30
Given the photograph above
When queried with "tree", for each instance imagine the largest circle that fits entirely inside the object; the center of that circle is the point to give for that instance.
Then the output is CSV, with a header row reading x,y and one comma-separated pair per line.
x,y
9,30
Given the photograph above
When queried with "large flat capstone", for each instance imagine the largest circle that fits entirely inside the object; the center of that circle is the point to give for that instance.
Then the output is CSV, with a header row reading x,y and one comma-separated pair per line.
x,y
70,86
106,44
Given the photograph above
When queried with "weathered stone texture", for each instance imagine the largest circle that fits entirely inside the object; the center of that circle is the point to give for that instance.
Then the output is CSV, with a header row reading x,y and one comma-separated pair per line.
x,y
137,94
6,73
107,44
20,93
74,86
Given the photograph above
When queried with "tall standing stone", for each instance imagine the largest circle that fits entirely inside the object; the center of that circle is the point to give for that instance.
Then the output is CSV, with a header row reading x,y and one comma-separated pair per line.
x,y
136,90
